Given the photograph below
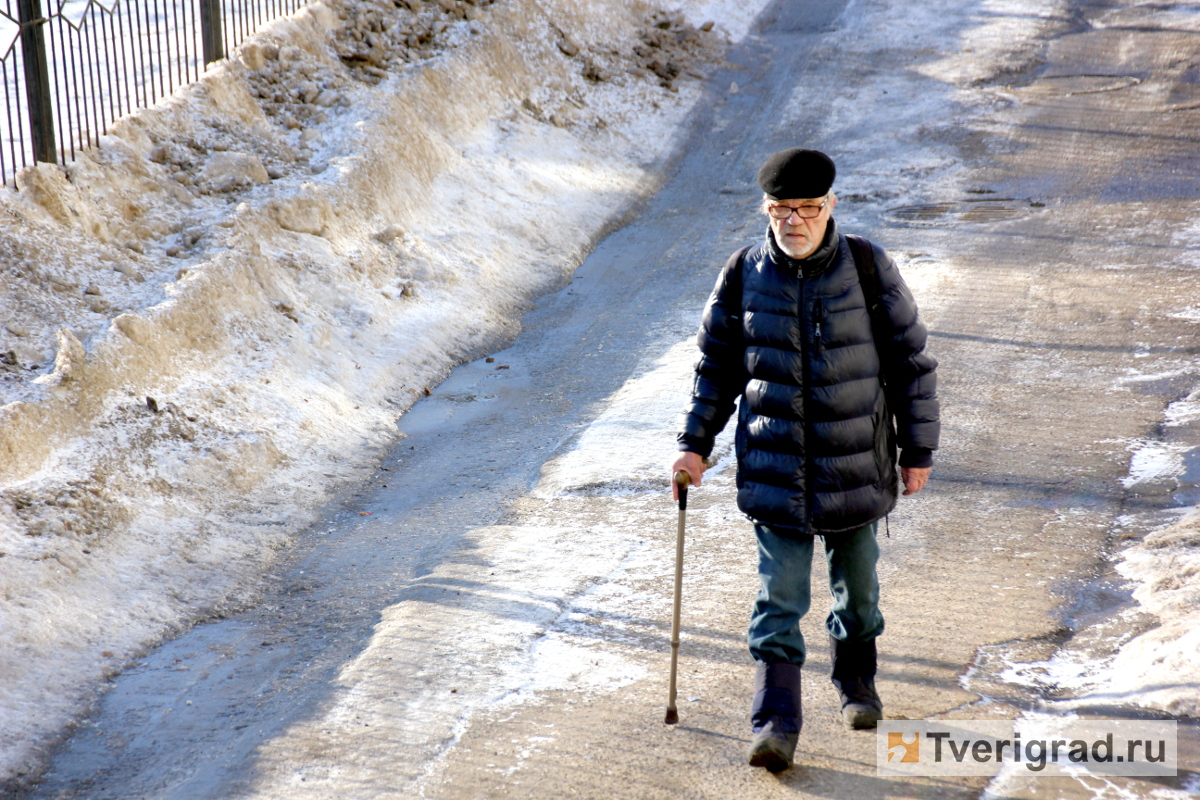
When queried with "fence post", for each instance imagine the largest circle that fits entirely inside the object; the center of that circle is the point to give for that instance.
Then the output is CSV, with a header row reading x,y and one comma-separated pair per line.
x,y
210,31
37,81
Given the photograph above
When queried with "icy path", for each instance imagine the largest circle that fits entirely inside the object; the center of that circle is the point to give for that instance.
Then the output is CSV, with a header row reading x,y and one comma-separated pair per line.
x,y
433,595
487,616
214,319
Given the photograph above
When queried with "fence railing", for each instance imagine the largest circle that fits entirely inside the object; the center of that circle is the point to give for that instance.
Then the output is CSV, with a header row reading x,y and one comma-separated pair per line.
x,y
70,70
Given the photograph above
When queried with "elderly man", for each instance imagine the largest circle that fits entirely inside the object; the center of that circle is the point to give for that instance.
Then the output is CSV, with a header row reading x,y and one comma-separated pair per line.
x,y
817,334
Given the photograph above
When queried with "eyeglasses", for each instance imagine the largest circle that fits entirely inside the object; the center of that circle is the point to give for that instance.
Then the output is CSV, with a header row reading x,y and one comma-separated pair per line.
x,y
804,212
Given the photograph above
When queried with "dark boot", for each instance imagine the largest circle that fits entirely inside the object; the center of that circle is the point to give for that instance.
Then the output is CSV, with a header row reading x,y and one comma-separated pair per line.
x,y
854,677
775,716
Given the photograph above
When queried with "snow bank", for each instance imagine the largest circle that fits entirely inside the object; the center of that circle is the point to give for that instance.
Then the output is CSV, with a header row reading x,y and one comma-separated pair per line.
x,y
1160,669
216,316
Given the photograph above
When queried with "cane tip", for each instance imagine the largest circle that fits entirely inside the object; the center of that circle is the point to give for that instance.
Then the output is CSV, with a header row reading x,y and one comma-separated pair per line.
x,y
672,716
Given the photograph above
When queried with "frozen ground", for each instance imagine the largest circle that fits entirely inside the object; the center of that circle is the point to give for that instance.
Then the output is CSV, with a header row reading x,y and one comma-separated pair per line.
x,y
1156,551
297,318
214,319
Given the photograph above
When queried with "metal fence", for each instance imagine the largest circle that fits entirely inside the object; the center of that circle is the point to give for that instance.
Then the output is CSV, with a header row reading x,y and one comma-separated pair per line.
x,y
69,71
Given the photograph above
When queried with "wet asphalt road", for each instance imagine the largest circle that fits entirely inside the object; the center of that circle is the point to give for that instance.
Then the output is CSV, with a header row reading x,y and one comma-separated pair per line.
x,y
1043,315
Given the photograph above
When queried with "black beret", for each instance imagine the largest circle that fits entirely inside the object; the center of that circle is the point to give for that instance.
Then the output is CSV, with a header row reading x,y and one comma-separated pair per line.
x,y
797,174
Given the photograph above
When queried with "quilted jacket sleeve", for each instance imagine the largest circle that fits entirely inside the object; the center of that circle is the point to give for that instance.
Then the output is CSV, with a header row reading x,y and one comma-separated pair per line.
x,y
909,371
720,373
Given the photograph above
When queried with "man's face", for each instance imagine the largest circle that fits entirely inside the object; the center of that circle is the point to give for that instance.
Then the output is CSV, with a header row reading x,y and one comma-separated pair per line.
x,y
798,236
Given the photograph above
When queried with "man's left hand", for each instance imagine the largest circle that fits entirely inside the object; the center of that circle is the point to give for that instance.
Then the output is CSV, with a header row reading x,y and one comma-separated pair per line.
x,y
914,478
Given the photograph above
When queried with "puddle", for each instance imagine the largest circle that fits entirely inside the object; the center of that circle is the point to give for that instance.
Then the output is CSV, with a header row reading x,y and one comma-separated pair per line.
x,y
1035,673
1071,85
964,211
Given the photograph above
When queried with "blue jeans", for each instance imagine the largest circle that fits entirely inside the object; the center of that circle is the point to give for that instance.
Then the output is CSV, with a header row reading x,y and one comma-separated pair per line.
x,y
784,567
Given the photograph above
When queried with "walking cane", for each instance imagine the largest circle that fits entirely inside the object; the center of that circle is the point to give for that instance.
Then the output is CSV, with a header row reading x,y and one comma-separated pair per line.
x,y
682,479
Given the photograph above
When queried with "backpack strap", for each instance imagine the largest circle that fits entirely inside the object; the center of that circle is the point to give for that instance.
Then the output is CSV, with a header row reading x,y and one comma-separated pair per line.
x,y
864,260
733,281
868,279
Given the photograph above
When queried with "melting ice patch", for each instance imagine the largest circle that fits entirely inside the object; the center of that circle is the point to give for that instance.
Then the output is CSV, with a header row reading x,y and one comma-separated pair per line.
x,y
1153,461
1064,670
1190,314
1187,238
1137,376
566,664
1181,412
630,446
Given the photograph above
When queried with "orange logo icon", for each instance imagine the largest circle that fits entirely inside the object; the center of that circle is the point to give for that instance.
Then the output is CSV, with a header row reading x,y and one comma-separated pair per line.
x,y
901,750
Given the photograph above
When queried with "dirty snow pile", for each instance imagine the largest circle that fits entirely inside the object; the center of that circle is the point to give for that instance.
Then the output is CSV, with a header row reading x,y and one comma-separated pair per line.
x,y
1161,667
213,318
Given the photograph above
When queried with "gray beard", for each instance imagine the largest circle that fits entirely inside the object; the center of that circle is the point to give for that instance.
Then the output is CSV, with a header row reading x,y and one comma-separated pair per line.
x,y
791,252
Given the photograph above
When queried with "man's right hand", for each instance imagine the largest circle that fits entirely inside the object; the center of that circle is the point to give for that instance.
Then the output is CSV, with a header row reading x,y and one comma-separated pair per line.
x,y
690,463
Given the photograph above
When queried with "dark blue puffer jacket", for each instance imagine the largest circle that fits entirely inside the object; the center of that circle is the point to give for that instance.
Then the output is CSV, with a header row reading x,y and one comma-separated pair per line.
x,y
817,431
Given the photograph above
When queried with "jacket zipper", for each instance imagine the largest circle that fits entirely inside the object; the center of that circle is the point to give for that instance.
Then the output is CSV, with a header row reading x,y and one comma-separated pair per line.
x,y
819,313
